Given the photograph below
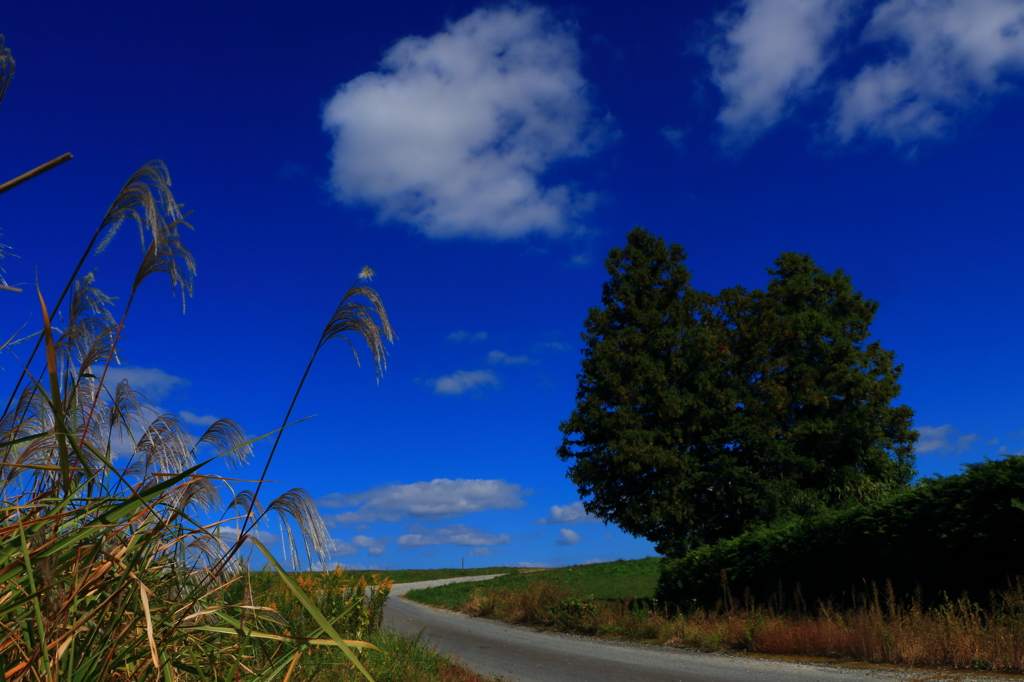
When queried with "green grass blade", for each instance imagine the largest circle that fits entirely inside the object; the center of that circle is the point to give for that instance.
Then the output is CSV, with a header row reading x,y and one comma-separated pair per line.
x,y
312,609
353,643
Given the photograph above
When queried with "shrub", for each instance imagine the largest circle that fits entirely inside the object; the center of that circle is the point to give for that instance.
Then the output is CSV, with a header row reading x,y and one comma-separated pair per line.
x,y
944,537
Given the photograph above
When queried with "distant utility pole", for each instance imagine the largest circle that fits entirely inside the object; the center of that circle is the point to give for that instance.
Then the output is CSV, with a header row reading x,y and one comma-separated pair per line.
x,y
463,563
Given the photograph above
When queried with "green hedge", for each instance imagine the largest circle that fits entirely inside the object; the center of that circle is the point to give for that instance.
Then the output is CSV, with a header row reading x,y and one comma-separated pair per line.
x,y
951,535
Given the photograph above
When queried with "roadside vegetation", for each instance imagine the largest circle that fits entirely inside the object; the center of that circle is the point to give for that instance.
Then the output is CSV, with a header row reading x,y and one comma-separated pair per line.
x,y
354,602
617,581
755,437
110,565
616,601
951,535
415,575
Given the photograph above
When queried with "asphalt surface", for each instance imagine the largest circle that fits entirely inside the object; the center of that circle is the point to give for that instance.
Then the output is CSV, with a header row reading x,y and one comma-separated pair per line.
x,y
519,654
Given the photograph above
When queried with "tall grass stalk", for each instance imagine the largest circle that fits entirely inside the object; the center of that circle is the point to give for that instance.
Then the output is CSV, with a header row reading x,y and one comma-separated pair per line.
x,y
109,569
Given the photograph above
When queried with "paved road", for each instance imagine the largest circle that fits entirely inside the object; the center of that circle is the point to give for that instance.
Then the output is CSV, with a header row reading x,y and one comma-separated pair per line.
x,y
520,654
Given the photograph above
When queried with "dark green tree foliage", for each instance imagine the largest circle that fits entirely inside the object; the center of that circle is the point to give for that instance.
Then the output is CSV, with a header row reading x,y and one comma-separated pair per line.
x,y
698,417
943,537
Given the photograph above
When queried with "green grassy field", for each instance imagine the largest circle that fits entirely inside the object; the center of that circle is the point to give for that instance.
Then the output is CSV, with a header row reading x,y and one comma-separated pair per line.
x,y
615,581
416,575
408,575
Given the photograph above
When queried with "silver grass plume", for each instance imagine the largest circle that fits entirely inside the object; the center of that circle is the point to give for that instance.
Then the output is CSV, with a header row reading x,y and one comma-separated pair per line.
x,y
165,446
230,441
293,506
297,505
4,251
6,67
354,316
146,198
350,316
89,334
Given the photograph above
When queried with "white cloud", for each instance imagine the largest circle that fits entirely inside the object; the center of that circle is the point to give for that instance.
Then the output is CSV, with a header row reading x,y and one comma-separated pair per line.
x,y
567,537
497,357
675,137
948,54
461,335
569,513
454,131
533,564
332,565
198,420
944,438
772,51
230,533
373,546
442,498
928,62
461,381
152,382
463,536
338,548
480,551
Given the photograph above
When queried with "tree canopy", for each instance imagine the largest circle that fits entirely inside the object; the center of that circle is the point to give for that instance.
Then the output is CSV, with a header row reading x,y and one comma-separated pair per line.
x,y
700,416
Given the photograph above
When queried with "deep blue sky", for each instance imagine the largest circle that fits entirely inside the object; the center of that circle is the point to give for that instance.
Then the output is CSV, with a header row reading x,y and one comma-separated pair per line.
x,y
483,170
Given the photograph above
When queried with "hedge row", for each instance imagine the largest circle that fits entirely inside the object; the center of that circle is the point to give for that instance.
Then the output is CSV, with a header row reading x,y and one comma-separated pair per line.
x,y
945,536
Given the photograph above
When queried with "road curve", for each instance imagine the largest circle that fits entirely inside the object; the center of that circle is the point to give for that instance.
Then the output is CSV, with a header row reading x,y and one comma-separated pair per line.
x,y
517,653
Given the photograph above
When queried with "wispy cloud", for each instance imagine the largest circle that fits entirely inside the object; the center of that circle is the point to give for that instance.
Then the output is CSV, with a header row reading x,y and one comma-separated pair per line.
x,y
442,498
497,357
568,514
944,438
480,551
944,56
333,565
454,131
926,62
337,548
461,381
231,533
567,537
463,536
373,546
461,335
770,53
152,382
675,137
198,420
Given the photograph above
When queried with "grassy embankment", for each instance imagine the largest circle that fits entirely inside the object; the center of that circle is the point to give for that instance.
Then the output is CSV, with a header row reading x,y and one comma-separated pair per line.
x,y
400,659
616,600
415,575
339,595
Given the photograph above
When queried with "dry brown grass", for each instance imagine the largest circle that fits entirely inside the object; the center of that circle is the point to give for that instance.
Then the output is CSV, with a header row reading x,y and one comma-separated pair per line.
x,y
957,635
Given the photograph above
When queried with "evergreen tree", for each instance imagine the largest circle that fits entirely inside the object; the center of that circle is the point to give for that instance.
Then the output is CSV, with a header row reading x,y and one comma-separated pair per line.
x,y
699,416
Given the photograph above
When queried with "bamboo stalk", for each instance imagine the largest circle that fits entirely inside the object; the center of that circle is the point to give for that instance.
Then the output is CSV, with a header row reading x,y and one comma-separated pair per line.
x,y
11,184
